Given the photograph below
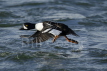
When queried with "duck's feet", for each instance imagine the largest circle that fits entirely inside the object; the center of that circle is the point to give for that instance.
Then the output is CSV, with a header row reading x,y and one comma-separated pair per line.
x,y
73,41
55,38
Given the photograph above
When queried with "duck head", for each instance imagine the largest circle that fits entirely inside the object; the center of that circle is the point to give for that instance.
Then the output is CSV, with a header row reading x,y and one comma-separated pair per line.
x,y
27,26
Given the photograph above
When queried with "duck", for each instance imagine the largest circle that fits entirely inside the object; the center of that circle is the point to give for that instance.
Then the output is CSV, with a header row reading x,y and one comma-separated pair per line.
x,y
47,29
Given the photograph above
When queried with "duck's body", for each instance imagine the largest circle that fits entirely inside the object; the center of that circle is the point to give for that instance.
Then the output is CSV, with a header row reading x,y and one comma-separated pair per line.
x,y
47,29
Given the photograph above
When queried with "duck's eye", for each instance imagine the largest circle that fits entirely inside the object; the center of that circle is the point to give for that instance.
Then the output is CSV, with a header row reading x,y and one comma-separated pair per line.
x,y
26,25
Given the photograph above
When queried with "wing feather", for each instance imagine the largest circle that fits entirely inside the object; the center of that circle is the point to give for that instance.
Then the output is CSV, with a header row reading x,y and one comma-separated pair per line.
x,y
41,37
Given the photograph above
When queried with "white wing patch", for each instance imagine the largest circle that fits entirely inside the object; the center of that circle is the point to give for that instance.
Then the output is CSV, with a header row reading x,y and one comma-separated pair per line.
x,y
55,32
46,30
48,24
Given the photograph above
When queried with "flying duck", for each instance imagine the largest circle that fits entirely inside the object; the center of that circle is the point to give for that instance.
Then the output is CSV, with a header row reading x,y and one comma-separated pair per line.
x,y
48,29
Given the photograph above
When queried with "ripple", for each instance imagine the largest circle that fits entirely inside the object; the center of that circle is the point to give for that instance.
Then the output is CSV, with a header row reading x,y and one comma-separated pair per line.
x,y
62,15
9,25
4,14
26,4
8,14
15,2
84,4
4,54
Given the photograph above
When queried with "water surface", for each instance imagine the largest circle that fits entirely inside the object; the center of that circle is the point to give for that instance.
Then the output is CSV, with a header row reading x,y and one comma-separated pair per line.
x,y
87,18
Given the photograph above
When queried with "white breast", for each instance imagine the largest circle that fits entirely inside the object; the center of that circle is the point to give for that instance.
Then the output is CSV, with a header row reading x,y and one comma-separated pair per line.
x,y
39,26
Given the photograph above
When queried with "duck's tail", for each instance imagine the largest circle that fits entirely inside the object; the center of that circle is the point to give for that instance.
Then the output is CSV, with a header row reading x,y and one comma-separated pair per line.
x,y
73,33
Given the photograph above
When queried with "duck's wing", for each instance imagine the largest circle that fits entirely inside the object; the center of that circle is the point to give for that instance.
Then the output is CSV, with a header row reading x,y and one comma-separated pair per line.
x,y
51,28
41,37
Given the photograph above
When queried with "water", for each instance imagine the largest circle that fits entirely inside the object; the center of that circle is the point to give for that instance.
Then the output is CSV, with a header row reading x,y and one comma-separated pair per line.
x,y
88,18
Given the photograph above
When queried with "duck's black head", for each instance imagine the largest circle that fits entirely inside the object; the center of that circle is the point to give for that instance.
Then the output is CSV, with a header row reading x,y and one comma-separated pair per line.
x,y
27,26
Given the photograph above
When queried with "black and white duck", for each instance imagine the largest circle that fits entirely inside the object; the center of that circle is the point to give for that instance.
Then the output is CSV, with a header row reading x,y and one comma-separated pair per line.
x,y
48,29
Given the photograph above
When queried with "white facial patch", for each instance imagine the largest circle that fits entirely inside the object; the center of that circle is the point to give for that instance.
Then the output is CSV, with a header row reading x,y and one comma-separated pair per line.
x,y
55,32
39,26
25,27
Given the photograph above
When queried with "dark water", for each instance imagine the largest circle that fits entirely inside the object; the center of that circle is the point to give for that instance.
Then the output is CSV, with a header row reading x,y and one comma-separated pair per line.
x,y
88,18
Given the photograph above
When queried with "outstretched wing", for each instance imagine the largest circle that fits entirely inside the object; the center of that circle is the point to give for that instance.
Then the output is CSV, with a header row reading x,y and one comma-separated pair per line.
x,y
41,37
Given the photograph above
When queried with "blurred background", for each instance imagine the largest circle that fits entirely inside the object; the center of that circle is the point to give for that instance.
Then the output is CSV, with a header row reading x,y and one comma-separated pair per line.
x,y
88,18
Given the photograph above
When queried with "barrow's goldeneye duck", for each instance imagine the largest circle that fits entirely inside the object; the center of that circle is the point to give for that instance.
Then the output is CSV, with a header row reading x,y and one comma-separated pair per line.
x,y
48,29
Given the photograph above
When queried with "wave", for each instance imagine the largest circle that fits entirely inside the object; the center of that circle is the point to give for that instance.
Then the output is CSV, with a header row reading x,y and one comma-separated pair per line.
x,y
59,16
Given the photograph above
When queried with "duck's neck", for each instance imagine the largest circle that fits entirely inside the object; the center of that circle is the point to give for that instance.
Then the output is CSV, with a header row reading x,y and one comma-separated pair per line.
x,y
32,26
